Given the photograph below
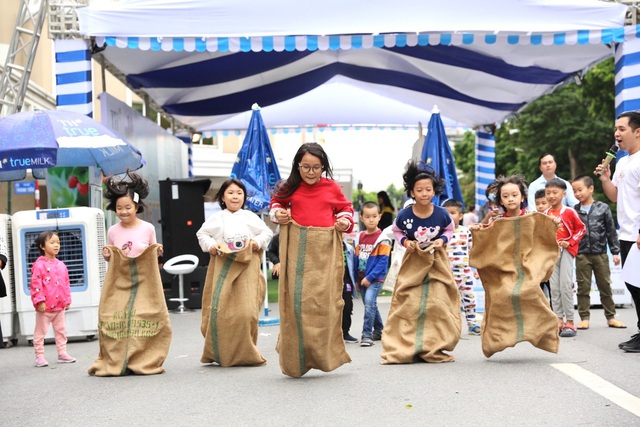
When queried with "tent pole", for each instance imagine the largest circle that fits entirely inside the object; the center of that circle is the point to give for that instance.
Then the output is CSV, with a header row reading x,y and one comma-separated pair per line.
x,y
266,320
264,273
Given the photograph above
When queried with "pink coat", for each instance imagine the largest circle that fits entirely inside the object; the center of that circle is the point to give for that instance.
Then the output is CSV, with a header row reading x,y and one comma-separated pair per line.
x,y
50,284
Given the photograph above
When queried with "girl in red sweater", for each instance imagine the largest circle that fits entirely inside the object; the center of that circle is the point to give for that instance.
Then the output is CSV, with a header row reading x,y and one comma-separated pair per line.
x,y
308,198
311,279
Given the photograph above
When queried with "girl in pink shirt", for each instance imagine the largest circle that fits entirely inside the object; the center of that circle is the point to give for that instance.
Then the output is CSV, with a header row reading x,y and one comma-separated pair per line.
x,y
132,235
51,297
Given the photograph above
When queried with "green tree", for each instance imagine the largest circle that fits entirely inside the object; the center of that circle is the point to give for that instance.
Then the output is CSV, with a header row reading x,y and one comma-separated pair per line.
x,y
397,196
361,196
464,153
574,123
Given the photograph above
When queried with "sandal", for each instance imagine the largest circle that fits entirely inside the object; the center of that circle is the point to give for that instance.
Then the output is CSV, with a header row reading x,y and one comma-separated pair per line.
x,y
583,325
560,324
616,324
568,331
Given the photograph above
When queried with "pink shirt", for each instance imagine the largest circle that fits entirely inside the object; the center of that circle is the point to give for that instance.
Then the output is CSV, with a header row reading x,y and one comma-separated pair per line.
x,y
132,241
50,284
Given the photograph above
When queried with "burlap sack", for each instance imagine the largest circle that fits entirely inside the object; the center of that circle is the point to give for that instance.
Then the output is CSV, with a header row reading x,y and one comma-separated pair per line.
x,y
310,300
233,293
424,317
512,257
134,329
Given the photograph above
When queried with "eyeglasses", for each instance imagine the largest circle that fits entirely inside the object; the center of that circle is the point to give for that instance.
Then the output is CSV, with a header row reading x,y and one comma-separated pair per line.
x,y
309,168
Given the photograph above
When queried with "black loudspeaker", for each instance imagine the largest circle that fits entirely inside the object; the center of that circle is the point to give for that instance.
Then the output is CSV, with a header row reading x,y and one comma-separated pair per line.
x,y
182,211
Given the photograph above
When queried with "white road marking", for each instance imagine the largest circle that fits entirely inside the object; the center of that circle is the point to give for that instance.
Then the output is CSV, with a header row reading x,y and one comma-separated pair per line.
x,y
604,388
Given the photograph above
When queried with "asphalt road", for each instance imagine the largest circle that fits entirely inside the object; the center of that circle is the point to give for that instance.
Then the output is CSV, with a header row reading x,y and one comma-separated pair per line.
x,y
585,384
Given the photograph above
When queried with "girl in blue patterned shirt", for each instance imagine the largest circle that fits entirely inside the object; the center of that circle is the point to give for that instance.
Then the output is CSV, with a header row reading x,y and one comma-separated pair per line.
x,y
423,223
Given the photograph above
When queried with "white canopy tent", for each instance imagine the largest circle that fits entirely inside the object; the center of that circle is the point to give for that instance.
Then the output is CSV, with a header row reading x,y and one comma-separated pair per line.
x,y
246,18
375,62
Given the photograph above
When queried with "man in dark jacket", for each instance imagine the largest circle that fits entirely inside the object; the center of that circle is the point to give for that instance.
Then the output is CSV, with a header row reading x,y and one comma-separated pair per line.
x,y
592,253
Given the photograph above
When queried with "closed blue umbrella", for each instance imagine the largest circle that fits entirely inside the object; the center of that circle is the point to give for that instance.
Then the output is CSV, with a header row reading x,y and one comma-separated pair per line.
x,y
42,139
437,154
255,165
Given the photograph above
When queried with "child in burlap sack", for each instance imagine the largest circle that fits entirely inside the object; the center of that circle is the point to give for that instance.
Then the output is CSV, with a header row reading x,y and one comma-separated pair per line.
x,y
513,254
235,286
131,234
311,208
134,329
424,318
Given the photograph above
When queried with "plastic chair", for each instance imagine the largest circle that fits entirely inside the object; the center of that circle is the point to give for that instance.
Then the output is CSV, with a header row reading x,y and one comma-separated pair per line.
x,y
181,265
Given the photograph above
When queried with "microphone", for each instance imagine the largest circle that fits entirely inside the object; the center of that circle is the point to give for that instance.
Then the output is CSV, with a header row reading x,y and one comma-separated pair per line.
x,y
611,154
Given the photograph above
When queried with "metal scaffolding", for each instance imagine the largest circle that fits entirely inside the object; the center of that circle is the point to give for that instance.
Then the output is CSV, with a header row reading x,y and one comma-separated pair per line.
x,y
24,43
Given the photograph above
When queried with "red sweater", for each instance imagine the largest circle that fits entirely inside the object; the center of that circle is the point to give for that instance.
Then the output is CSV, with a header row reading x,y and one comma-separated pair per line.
x,y
573,225
317,205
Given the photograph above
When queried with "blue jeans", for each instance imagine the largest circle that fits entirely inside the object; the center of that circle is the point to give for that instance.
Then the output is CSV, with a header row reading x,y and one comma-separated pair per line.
x,y
372,318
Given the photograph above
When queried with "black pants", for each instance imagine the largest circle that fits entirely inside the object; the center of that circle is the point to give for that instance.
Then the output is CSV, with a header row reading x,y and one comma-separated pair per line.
x,y
347,310
625,247
546,285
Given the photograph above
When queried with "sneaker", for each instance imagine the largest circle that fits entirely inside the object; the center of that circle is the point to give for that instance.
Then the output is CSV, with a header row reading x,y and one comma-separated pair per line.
x,y
633,345
41,362
65,358
474,330
633,339
349,339
377,336
366,342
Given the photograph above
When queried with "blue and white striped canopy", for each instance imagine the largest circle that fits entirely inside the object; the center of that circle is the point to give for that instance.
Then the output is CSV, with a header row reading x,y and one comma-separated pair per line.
x,y
207,62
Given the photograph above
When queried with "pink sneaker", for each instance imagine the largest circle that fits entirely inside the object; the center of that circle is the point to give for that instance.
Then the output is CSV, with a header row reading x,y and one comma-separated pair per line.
x,y
41,362
65,358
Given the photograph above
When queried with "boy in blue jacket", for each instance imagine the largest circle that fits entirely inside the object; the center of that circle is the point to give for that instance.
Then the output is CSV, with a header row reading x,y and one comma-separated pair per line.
x,y
372,249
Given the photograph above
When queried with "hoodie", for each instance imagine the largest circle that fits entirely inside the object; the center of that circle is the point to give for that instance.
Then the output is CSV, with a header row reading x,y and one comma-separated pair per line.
x,y
574,225
378,261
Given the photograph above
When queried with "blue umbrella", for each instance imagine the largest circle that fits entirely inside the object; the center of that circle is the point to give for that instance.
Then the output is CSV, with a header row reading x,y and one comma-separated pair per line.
x,y
42,139
255,165
437,154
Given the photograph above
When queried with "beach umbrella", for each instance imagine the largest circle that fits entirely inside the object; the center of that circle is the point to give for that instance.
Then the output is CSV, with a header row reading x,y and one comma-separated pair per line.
x,y
42,139
437,154
255,165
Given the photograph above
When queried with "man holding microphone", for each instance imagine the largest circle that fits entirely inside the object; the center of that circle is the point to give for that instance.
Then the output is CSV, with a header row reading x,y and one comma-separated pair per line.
x,y
624,189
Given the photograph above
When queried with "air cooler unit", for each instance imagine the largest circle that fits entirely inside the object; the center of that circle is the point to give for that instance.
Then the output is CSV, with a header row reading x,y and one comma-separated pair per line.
x,y
7,304
82,236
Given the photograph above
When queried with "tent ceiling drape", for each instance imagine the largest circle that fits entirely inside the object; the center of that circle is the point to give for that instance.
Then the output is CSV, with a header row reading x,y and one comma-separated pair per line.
x,y
479,62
